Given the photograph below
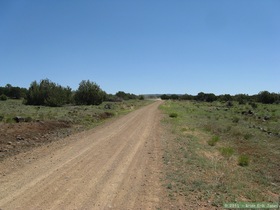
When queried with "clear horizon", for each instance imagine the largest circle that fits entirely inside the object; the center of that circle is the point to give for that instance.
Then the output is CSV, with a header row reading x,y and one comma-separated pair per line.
x,y
158,47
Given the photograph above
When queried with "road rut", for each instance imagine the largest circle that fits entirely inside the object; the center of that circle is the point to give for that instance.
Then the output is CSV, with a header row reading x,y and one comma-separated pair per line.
x,y
113,166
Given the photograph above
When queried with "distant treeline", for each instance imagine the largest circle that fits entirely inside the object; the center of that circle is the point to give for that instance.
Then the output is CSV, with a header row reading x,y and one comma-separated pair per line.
x,y
13,92
48,93
264,97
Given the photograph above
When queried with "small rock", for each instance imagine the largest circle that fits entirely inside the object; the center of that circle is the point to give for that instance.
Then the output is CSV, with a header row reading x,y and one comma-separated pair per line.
x,y
19,119
107,106
19,138
10,143
266,118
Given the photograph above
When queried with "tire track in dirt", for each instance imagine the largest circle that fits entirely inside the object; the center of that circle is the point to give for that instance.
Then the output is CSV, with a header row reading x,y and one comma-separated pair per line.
x,y
114,166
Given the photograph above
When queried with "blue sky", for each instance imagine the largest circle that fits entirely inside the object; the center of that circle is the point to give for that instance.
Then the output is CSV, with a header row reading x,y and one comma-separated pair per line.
x,y
143,46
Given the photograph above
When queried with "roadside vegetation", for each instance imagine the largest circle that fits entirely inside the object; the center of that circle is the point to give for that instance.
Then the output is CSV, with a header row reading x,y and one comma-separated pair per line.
x,y
264,97
23,127
48,93
222,152
47,111
85,115
48,101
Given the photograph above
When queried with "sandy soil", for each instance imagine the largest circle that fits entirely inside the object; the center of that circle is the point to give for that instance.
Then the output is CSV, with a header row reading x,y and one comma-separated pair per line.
x,y
114,166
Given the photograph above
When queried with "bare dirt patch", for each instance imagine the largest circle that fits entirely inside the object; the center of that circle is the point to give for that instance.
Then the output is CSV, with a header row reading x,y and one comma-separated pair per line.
x,y
20,137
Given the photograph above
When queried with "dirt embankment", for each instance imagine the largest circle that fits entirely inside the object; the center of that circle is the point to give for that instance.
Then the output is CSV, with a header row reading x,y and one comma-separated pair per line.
x,y
114,166
21,137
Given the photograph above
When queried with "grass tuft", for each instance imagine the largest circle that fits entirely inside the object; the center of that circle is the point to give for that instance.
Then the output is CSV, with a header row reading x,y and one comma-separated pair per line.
x,y
213,141
227,151
243,160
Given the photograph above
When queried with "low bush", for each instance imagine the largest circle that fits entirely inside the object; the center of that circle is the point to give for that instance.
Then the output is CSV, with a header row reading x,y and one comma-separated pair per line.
x,y
248,136
28,119
253,105
229,104
3,97
243,160
213,141
173,115
227,151
106,115
235,120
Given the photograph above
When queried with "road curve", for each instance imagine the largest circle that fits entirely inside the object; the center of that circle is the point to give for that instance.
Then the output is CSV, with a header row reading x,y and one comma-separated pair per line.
x,y
113,166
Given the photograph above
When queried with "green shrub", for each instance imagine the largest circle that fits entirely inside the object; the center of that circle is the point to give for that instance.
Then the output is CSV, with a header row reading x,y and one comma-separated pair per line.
x,y
173,115
141,97
10,120
227,151
253,105
1,117
3,97
243,160
229,104
184,129
169,186
248,136
28,119
235,120
213,141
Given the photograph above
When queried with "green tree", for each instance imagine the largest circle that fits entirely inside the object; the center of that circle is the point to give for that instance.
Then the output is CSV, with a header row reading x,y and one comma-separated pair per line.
x,y
89,93
48,93
200,96
187,97
164,97
122,95
266,97
34,96
141,97
174,97
241,98
126,96
13,92
225,97
57,95
210,97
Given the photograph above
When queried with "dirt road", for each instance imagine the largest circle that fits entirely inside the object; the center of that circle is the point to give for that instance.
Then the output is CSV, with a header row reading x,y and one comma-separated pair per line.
x,y
114,166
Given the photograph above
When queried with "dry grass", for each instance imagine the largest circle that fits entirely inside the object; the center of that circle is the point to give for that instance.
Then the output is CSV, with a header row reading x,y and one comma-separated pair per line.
x,y
87,116
204,176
